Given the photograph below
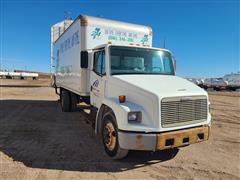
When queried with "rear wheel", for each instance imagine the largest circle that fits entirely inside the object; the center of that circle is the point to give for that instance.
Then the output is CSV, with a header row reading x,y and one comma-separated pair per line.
x,y
110,138
65,101
74,101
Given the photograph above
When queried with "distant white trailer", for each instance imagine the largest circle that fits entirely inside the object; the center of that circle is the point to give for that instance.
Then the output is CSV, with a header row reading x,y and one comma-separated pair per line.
x,y
24,75
14,74
233,85
233,81
7,75
3,74
215,83
21,75
228,82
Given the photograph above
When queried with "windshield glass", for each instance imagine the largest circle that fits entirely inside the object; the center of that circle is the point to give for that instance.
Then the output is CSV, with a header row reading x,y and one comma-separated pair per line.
x,y
132,60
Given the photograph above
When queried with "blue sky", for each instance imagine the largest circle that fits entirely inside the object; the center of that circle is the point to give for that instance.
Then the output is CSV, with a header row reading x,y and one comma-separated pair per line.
x,y
203,35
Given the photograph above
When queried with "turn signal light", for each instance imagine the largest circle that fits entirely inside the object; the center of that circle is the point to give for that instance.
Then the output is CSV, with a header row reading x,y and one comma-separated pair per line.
x,y
122,99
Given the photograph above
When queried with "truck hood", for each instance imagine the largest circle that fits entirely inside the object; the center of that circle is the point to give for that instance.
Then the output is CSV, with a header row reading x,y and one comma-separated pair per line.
x,y
163,85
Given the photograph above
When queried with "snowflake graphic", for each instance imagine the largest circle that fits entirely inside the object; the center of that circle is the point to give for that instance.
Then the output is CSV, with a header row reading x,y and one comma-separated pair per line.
x,y
144,39
96,33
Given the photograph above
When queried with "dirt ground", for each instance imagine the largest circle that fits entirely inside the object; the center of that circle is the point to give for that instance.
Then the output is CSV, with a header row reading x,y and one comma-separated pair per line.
x,y
39,141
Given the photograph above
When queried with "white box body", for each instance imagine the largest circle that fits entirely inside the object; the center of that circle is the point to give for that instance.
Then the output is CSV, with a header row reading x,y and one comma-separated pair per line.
x,y
85,34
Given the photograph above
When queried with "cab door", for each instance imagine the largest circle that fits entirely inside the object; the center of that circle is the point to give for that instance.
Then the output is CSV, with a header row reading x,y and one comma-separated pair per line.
x,y
98,78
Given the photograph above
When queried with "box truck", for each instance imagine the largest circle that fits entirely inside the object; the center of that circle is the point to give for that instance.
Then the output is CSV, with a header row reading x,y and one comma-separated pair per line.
x,y
139,102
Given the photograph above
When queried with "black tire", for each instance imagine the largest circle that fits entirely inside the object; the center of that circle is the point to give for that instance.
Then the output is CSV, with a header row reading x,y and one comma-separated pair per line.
x,y
110,138
74,101
65,101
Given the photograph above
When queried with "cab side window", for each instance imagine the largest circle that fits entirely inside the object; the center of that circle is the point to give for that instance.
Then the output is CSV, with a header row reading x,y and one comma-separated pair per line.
x,y
99,63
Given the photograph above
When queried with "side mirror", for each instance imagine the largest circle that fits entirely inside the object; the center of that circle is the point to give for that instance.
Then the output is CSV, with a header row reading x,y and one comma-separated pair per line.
x,y
84,59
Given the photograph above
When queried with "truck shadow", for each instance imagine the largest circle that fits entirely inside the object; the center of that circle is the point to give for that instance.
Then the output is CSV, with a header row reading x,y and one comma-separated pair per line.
x,y
38,134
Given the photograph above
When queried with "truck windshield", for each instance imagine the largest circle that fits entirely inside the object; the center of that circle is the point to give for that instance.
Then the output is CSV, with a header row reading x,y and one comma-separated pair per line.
x,y
132,60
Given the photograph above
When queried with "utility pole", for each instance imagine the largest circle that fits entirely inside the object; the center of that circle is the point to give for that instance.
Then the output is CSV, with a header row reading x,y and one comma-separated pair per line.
x,y
164,42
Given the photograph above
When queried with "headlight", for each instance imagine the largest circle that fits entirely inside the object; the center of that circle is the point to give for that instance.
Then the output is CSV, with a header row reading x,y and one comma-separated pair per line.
x,y
134,117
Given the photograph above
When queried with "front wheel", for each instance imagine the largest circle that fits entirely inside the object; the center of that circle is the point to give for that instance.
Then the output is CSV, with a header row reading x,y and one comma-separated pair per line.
x,y
110,138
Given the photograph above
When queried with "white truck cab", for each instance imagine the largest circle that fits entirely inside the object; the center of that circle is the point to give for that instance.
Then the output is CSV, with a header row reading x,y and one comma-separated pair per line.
x,y
140,103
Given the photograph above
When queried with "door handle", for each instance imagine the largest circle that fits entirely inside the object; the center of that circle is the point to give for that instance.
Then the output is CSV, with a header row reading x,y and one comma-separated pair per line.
x,y
91,88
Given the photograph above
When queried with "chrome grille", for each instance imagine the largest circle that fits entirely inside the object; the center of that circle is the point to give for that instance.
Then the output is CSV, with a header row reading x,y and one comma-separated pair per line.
x,y
183,111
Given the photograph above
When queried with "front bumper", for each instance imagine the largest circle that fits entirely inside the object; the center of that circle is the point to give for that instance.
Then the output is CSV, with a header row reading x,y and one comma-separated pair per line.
x,y
165,140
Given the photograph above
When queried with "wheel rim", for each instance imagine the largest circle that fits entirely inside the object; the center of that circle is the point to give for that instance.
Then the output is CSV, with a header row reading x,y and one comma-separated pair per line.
x,y
109,136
